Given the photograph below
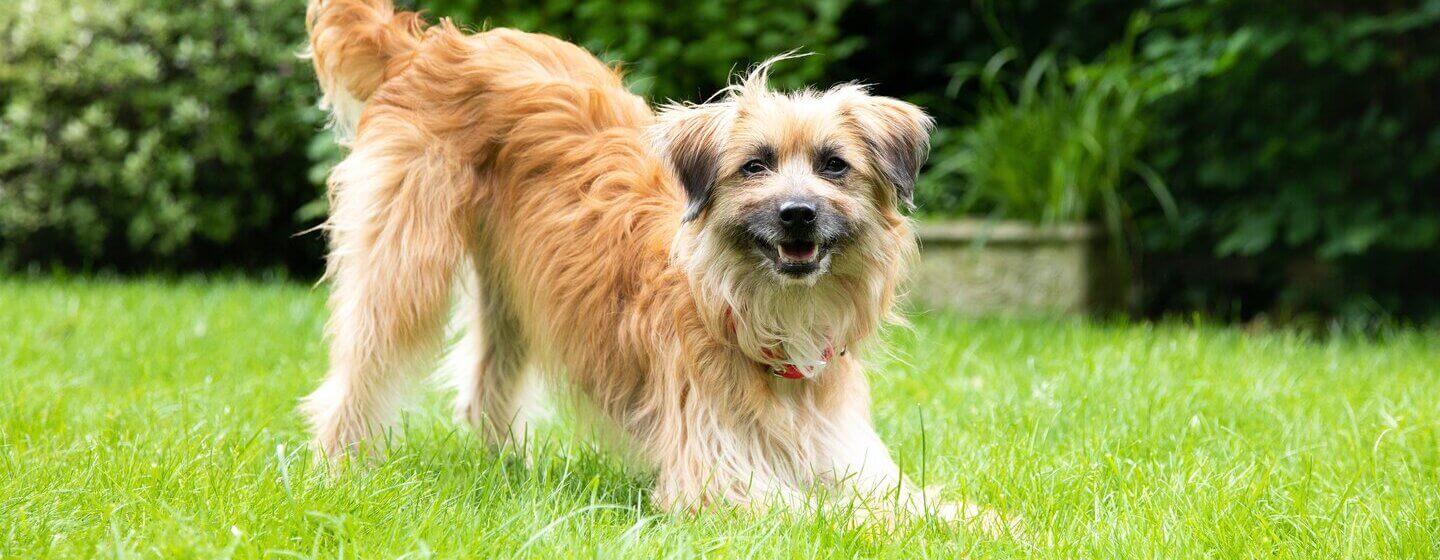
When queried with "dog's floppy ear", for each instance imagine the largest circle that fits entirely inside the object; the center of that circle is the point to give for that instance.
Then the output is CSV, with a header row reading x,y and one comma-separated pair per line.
x,y
898,137
690,138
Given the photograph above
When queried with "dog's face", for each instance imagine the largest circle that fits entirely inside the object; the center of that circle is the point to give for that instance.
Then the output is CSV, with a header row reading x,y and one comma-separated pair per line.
x,y
795,185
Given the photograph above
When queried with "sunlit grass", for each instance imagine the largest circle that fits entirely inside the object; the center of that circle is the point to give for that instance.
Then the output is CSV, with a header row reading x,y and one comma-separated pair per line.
x,y
157,419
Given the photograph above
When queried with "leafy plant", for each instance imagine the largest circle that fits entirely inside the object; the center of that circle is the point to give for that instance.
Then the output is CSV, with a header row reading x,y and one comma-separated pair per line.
x,y
1057,146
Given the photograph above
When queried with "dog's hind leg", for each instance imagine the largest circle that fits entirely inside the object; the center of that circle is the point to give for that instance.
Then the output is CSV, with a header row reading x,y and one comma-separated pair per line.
x,y
487,366
397,229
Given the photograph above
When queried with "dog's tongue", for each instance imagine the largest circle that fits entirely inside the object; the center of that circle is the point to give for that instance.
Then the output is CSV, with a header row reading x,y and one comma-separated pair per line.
x,y
801,252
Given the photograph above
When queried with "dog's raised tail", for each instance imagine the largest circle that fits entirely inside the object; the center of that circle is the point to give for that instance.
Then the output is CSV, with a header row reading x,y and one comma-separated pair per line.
x,y
355,46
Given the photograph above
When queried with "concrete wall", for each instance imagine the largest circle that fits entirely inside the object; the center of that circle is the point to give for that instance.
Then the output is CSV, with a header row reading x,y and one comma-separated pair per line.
x,y
985,267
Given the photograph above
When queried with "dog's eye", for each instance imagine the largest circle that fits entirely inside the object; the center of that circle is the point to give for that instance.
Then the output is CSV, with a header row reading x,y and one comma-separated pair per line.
x,y
752,167
835,166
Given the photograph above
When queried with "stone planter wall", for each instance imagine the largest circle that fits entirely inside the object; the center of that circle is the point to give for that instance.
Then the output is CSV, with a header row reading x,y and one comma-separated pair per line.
x,y
987,267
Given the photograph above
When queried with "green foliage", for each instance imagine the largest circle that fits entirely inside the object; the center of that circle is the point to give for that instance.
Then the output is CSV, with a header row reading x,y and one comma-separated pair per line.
x,y
909,48
135,132
1058,148
1337,161
683,51
1308,154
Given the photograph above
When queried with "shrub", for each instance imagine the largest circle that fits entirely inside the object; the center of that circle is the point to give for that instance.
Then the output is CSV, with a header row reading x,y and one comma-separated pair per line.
x,y
140,133
1306,160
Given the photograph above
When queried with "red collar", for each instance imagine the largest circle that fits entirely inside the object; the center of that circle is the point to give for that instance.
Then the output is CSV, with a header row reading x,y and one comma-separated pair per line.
x,y
775,363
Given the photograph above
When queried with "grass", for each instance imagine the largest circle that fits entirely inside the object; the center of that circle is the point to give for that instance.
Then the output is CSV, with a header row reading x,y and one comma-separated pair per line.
x,y
156,419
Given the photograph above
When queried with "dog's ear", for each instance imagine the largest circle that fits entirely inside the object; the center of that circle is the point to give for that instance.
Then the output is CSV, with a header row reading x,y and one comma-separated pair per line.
x,y
898,137
690,138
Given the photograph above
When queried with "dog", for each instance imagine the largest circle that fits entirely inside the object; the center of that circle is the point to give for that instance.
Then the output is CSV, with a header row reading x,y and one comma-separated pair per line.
x,y
703,276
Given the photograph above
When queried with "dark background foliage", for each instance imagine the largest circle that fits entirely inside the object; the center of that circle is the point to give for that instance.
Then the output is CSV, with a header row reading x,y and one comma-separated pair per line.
x,y
1309,166
1300,140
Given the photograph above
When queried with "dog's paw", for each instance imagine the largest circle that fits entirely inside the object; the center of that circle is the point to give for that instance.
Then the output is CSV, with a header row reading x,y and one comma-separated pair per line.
x,y
959,515
972,517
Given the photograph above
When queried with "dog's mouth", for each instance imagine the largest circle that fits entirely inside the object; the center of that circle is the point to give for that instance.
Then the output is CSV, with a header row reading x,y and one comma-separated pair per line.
x,y
799,252
794,258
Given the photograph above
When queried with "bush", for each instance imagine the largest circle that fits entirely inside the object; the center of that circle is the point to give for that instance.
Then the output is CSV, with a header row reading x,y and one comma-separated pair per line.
x,y
1306,160
138,133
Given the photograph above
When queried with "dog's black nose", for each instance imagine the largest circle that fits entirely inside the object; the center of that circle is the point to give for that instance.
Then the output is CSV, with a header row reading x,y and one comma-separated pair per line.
x,y
797,212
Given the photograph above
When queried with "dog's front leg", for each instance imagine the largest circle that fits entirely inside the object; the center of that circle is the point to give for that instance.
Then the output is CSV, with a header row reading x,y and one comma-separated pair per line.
x,y
706,459
859,464
863,468
693,488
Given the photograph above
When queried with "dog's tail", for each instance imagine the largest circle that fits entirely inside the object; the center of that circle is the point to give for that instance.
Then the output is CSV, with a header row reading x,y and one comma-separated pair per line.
x,y
356,45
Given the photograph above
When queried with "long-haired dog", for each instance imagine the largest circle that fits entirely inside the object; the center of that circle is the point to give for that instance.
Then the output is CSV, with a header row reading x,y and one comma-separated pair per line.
x,y
703,277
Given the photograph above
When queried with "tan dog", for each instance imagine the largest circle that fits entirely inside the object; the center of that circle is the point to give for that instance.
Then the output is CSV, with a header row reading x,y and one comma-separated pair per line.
x,y
697,276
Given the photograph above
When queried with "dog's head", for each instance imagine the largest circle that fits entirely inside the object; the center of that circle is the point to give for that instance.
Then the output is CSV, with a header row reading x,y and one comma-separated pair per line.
x,y
795,185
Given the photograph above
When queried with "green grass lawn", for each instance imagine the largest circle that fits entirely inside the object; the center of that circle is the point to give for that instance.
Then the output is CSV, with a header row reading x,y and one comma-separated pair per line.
x,y
157,419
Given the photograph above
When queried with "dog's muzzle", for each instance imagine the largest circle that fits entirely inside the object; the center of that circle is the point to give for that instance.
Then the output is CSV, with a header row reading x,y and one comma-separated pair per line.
x,y
796,236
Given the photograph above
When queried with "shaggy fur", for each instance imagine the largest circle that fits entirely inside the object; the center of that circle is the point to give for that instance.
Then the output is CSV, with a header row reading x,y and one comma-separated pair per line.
x,y
613,250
